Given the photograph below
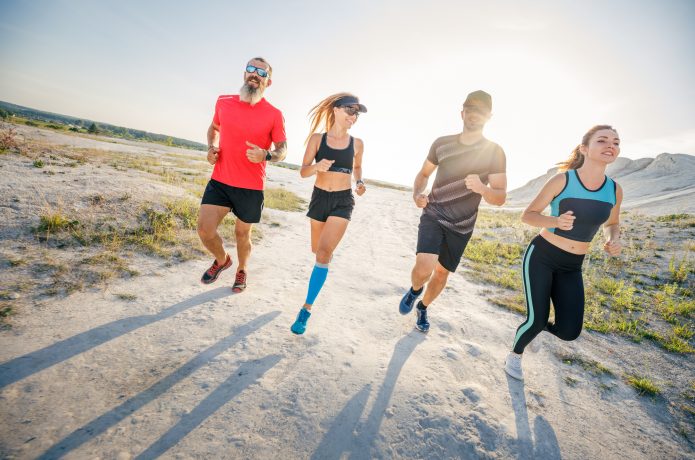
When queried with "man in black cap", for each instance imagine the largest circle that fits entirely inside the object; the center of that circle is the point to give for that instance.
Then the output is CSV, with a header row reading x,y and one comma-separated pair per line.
x,y
469,168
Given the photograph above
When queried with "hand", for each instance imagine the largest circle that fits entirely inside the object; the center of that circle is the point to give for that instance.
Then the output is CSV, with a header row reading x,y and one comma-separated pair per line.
x,y
613,247
324,165
213,155
421,200
565,221
360,188
255,154
474,183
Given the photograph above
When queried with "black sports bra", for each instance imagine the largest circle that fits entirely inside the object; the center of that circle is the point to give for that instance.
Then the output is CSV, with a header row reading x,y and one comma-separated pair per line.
x,y
343,158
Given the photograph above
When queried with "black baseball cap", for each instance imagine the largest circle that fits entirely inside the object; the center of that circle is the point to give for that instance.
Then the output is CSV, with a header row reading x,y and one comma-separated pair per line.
x,y
350,100
479,96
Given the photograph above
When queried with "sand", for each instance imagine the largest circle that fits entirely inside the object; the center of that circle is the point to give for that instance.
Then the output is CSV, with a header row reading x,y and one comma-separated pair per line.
x,y
193,371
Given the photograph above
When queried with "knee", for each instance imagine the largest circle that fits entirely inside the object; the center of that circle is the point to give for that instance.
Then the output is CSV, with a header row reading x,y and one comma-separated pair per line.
x,y
568,334
205,232
242,234
323,255
441,274
422,273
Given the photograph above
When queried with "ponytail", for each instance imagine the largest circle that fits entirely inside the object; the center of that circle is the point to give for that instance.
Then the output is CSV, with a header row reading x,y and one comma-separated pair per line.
x,y
321,115
576,159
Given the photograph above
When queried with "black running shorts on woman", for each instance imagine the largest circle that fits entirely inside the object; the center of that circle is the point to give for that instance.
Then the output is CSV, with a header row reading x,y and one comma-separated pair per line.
x,y
325,204
245,203
551,273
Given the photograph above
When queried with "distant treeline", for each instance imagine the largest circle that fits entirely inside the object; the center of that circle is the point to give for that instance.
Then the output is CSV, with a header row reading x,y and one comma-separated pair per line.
x,y
67,123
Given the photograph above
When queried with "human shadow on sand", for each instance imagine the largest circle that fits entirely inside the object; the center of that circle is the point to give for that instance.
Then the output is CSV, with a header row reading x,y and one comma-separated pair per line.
x,y
247,374
26,365
346,435
231,386
546,445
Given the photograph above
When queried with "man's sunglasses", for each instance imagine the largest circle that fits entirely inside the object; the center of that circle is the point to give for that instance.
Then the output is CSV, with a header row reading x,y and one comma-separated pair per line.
x,y
351,110
261,72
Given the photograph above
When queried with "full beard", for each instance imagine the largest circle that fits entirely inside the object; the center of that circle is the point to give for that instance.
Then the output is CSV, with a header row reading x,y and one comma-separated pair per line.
x,y
249,94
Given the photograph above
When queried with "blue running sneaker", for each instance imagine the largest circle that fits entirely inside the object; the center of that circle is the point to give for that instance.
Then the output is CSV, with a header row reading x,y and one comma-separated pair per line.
x,y
422,324
408,301
299,325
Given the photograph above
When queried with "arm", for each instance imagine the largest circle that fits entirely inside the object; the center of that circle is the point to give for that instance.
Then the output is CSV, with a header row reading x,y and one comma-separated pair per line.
x,y
421,183
279,153
532,214
611,229
308,169
213,152
496,192
357,167
255,154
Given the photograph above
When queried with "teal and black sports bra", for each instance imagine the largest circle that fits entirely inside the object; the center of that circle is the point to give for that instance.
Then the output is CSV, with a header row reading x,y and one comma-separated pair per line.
x,y
343,158
591,208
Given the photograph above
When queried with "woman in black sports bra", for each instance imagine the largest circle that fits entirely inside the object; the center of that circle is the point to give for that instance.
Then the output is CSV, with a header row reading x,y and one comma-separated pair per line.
x,y
335,158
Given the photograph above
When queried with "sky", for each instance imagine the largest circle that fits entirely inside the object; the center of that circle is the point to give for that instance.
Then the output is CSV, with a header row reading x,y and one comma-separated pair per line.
x,y
554,69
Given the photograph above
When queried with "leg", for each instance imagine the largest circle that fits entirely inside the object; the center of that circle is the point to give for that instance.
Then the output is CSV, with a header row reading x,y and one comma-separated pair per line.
x,y
242,232
537,281
422,271
328,240
436,284
568,300
209,219
316,229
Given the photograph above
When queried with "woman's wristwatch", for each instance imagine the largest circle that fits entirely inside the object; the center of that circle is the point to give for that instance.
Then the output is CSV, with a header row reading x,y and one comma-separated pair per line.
x,y
359,182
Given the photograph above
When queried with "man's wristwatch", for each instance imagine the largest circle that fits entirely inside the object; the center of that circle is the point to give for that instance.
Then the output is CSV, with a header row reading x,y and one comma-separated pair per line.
x,y
268,156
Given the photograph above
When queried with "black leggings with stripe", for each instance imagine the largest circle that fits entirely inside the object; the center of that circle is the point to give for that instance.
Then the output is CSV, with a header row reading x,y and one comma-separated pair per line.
x,y
550,273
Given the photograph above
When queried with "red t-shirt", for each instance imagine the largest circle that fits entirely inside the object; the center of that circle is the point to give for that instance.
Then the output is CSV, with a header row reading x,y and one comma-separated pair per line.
x,y
239,122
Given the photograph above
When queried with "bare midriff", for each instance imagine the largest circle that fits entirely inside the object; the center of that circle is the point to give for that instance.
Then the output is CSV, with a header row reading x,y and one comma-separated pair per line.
x,y
575,247
333,181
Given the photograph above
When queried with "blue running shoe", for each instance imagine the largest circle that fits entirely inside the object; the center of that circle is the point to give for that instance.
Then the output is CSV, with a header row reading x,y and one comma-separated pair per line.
x,y
408,301
422,324
299,325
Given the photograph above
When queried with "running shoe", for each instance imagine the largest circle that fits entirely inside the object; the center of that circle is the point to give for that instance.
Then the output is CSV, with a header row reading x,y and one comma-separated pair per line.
x,y
408,301
422,324
211,274
512,366
299,325
239,282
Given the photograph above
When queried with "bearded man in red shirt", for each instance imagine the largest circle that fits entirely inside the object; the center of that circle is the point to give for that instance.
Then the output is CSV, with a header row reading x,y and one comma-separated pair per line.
x,y
239,138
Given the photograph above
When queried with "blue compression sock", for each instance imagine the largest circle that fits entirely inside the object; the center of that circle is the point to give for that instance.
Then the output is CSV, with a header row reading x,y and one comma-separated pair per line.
x,y
318,277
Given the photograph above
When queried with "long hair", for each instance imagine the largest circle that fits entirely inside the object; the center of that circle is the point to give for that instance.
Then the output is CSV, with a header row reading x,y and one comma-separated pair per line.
x,y
321,115
576,159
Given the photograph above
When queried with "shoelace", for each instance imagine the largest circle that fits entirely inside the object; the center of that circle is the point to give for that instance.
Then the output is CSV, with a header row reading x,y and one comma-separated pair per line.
x,y
240,278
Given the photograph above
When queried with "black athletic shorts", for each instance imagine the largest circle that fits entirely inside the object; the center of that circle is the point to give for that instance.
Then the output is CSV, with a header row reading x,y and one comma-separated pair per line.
x,y
434,238
325,204
245,203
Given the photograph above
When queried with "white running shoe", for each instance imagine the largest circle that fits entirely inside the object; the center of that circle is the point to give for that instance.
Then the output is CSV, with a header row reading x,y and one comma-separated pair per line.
x,y
512,366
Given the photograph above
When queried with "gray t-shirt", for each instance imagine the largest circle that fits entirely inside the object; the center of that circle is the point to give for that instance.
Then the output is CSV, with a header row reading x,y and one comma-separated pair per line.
x,y
451,203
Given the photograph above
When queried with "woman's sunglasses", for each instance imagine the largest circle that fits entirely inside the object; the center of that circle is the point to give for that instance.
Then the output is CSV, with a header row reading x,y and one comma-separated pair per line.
x,y
261,72
351,110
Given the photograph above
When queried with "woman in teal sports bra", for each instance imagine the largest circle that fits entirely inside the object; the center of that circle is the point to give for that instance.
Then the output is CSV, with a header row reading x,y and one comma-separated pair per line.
x,y
581,199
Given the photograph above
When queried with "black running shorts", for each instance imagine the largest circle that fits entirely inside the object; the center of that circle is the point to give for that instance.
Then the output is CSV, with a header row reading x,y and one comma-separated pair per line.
x,y
245,203
434,238
325,204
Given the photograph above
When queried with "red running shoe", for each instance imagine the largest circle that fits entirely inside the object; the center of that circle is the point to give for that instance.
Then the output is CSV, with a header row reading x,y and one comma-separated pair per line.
x,y
211,274
239,282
